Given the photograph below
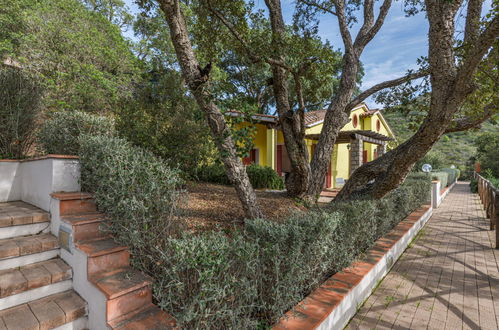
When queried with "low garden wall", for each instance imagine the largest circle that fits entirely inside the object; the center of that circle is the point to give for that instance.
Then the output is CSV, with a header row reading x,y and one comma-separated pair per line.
x,y
33,180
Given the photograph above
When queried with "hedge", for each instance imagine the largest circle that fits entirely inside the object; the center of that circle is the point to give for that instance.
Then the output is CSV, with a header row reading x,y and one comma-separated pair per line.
x,y
253,276
260,176
446,176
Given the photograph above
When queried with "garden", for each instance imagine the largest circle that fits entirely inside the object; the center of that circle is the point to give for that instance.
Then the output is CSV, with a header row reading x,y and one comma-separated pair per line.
x,y
228,246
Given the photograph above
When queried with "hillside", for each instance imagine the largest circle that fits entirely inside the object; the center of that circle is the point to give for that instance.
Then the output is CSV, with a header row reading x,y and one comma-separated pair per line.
x,y
455,148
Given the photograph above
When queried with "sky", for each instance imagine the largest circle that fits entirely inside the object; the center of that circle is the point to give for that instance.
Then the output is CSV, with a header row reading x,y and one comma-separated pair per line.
x,y
394,50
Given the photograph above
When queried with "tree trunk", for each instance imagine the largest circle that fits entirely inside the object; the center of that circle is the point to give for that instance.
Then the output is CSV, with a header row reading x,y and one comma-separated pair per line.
x,y
292,123
196,79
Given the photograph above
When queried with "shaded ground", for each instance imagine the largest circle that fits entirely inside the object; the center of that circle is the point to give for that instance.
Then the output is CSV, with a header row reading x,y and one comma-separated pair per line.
x,y
210,206
447,279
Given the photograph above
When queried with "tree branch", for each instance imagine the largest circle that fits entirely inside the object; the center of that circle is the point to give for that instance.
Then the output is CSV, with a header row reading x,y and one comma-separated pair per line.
x,y
318,6
364,37
342,21
466,123
386,84
472,25
255,58
480,47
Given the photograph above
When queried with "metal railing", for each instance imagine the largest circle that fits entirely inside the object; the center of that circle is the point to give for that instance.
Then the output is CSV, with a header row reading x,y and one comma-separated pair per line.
x,y
489,196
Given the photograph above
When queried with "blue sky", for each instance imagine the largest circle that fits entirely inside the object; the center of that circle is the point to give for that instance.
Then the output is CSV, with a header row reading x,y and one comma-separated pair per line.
x,y
394,50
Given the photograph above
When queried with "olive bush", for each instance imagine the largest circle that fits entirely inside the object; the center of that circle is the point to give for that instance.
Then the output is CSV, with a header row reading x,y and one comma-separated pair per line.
x,y
260,176
60,134
134,188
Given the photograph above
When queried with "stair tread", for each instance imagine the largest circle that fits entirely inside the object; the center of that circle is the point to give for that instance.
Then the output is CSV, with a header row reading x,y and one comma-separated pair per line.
x,y
24,245
84,218
45,313
64,196
94,248
120,281
21,213
150,317
32,276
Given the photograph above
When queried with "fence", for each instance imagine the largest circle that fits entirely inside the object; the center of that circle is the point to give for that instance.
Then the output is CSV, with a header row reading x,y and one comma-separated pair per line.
x,y
489,196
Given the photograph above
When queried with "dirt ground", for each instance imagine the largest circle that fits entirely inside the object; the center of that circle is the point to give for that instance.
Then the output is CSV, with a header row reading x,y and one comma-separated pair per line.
x,y
211,206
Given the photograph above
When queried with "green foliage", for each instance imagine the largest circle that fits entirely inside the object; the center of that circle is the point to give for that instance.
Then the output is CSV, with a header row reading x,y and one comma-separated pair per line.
x,y
453,174
474,185
60,134
83,59
488,152
443,177
249,278
134,188
20,107
260,176
453,149
264,177
163,120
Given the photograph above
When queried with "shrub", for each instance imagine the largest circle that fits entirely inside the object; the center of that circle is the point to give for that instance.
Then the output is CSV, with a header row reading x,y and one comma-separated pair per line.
x,y
20,106
435,159
264,177
134,188
260,176
249,278
443,177
60,134
453,174
474,185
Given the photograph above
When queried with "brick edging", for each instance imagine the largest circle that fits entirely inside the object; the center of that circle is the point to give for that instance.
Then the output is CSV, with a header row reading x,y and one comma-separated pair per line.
x,y
336,301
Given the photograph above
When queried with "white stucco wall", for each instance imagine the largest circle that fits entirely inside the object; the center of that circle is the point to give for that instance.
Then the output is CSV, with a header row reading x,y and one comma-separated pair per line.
x,y
10,187
32,181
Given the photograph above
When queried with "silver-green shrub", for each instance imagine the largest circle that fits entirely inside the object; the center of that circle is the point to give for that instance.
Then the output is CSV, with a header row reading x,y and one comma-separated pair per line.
x,y
60,133
443,177
135,189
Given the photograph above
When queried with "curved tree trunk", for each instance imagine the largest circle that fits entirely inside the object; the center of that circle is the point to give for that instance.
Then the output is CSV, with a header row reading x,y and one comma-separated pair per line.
x,y
196,79
451,84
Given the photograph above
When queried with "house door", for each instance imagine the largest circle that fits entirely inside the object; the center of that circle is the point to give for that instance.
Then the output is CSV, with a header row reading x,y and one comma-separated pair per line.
x,y
279,159
364,156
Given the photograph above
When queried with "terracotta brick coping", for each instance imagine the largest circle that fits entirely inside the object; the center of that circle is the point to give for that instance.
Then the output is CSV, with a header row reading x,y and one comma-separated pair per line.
x,y
311,312
50,156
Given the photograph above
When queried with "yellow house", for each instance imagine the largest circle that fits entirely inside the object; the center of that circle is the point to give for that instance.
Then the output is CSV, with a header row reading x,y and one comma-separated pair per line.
x,y
363,139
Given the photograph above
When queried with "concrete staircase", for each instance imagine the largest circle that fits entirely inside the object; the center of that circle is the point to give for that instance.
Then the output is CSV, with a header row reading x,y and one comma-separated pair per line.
x,y
127,294
35,284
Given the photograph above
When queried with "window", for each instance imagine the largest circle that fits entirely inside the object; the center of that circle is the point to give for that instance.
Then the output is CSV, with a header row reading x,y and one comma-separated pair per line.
x,y
253,157
378,125
355,121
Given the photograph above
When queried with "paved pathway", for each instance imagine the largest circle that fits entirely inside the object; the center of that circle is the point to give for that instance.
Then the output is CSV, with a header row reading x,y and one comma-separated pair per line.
x,y
447,279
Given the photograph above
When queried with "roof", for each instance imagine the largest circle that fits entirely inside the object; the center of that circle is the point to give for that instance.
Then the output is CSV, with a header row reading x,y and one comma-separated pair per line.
x,y
314,117
369,113
346,136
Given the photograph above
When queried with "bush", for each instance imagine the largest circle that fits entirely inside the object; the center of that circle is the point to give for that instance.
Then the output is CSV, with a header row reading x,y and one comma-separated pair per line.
x,y
453,174
249,278
435,159
20,107
260,176
60,134
443,177
134,188
474,185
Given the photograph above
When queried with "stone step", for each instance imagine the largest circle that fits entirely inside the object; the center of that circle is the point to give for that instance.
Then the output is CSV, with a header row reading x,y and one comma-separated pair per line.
x,y
24,250
65,308
21,219
86,226
104,254
126,290
74,203
149,317
18,285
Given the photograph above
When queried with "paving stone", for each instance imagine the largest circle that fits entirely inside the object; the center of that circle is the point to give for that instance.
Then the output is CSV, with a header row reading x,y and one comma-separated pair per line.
x,y
12,282
20,317
448,277
48,314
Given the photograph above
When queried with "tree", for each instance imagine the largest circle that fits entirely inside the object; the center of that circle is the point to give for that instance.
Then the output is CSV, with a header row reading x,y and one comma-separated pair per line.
x,y
115,11
81,57
445,63
196,78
